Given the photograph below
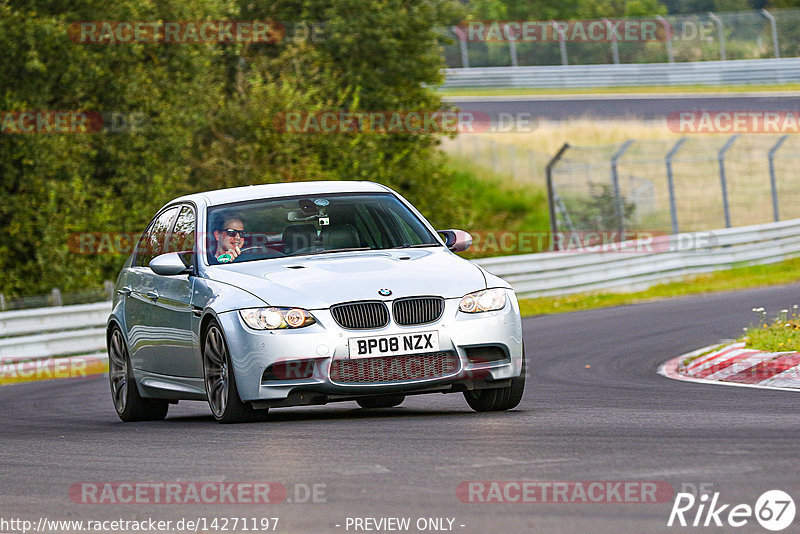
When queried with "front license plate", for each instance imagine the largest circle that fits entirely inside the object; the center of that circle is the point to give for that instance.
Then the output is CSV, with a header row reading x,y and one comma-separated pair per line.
x,y
394,345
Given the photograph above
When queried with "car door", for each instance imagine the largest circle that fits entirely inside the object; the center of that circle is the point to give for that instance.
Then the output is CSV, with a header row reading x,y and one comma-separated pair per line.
x,y
174,352
140,314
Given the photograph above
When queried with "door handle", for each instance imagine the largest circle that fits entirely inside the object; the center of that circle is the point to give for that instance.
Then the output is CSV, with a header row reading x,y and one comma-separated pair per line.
x,y
152,295
125,291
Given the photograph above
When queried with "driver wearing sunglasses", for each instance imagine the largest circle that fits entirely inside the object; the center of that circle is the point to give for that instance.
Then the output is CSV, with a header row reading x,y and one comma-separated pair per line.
x,y
230,238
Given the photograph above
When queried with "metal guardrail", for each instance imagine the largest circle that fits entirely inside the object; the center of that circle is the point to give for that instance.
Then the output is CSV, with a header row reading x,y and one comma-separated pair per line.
x,y
732,72
635,265
53,345
40,320
53,332
672,257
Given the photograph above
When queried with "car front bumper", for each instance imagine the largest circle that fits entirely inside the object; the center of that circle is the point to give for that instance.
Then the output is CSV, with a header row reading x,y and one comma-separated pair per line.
x,y
315,348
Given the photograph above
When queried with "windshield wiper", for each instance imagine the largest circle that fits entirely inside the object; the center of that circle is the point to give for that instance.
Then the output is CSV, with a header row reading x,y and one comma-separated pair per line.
x,y
420,245
315,252
346,249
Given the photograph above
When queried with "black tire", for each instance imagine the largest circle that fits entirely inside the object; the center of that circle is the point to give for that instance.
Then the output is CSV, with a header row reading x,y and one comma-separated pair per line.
x,y
220,381
384,401
129,405
498,399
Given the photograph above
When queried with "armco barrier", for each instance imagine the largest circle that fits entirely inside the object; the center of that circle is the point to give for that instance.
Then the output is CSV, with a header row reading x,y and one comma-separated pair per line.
x,y
558,273
40,320
55,332
734,72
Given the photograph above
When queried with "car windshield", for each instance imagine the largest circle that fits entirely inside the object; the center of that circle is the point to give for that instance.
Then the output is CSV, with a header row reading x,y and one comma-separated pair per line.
x,y
309,225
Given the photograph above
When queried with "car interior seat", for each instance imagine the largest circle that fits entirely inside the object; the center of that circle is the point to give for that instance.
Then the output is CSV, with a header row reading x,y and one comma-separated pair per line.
x,y
299,236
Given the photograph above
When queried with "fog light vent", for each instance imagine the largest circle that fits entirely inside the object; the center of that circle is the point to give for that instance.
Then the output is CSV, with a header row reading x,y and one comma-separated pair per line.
x,y
289,370
486,354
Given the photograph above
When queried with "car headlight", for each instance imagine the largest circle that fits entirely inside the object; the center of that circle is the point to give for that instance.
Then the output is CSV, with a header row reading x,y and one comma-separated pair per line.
x,y
483,301
276,318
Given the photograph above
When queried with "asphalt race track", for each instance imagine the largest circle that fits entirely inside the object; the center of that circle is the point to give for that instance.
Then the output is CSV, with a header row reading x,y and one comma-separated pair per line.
x,y
615,421
640,106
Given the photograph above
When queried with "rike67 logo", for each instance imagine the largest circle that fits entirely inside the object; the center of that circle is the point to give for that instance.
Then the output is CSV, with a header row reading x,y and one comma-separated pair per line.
x,y
774,510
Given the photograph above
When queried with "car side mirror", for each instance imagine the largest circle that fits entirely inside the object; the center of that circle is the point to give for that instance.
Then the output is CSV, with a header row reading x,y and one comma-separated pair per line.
x,y
456,240
169,264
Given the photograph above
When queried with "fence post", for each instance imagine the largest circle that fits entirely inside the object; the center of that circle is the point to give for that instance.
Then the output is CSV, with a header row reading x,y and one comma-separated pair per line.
x,y
109,287
720,33
55,297
614,44
673,209
773,182
551,194
562,42
615,182
774,28
512,46
723,179
668,32
462,43
513,160
531,165
2,302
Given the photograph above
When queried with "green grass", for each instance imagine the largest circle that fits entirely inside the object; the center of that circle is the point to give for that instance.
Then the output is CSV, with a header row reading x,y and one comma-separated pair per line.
x,y
480,91
781,273
503,217
780,334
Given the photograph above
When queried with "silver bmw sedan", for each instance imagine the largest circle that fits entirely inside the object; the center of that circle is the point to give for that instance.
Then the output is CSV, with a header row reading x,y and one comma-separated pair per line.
x,y
306,293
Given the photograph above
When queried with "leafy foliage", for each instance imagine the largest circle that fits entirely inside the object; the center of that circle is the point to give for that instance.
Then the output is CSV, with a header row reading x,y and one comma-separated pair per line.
x,y
210,117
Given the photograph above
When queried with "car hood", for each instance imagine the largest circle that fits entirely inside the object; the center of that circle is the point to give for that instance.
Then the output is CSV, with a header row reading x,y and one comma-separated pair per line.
x,y
316,282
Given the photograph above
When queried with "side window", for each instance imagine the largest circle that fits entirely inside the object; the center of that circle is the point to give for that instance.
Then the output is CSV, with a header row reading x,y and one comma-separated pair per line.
x,y
182,237
153,242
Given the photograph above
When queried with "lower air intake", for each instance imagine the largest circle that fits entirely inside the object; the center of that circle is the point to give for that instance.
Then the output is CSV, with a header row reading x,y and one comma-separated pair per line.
x,y
388,369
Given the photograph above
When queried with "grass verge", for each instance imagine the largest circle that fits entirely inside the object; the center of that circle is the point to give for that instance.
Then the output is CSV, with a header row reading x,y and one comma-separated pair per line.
x,y
780,334
497,211
511,91
744,277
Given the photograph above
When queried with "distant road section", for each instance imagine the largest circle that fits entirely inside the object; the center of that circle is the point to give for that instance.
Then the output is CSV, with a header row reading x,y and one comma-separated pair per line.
x,y
620,106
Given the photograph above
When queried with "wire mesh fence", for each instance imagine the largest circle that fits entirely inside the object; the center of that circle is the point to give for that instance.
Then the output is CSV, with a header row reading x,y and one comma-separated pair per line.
x,y
687,184
678,38
693,184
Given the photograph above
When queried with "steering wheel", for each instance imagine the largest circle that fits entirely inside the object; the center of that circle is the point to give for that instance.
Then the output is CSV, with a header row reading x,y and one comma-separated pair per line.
x,y
265,248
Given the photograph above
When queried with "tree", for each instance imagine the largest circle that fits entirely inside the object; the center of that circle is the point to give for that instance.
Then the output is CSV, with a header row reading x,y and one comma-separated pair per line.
x,y
210,114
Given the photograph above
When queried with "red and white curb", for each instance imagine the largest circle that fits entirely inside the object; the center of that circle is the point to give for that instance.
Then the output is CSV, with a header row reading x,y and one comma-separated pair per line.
x,y
732,364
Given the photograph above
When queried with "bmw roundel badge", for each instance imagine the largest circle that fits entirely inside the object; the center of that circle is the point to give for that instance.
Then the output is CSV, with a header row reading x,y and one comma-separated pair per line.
x,y
384,292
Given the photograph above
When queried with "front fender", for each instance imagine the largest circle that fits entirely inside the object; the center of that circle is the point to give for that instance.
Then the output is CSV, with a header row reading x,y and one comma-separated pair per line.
x,y
220,297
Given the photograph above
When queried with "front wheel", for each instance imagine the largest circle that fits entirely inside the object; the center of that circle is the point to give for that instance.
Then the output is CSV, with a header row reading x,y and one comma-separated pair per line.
x,y
384,401
223,397
498,399
130,406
